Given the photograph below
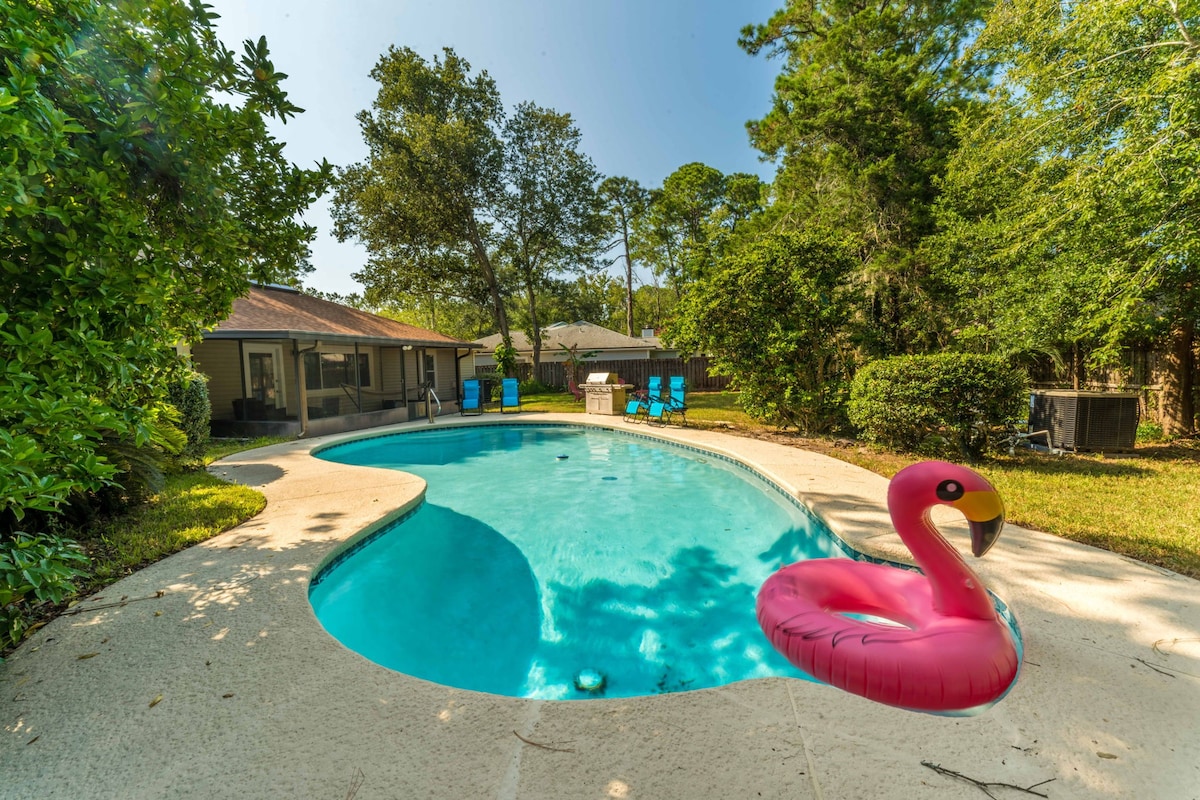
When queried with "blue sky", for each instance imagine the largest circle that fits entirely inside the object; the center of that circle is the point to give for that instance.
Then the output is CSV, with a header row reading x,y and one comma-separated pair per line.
x,y
652,84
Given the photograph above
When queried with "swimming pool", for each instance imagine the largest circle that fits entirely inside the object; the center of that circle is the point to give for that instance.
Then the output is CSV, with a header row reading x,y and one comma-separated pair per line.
x,y
546,558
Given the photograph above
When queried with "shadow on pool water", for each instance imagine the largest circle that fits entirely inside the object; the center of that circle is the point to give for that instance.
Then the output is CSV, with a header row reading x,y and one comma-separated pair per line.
x,y
444,597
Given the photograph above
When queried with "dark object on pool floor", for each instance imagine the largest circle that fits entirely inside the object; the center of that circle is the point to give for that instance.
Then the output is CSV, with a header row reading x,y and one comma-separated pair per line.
x,y
561,458
590,681
609,478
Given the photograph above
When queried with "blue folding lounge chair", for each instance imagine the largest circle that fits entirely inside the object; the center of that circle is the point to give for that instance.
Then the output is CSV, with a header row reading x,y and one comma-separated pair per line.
x,y
658,411
675,402
509,397
471,403
635,407
654,388
639,403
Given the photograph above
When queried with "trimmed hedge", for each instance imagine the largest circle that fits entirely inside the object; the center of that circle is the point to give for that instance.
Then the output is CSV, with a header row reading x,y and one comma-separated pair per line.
x,y
902,402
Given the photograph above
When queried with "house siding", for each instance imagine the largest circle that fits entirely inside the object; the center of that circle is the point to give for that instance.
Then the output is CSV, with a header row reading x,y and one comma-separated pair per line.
x,y
219,361
223,362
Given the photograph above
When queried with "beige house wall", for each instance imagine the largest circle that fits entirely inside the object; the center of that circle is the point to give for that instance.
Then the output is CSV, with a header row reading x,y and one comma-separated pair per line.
x,y
224,364
218,360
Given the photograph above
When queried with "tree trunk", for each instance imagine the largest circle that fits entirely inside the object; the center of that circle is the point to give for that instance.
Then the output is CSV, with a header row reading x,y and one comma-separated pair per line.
x,y
1178,407
536,328
489,276
1076,367
628,280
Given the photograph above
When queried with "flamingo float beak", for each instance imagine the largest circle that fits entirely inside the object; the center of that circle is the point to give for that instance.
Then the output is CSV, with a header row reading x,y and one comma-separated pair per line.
x,y
985,517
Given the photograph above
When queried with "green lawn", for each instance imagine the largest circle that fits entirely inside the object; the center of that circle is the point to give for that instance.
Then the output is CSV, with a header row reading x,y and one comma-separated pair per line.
x,y
1146,506
191,507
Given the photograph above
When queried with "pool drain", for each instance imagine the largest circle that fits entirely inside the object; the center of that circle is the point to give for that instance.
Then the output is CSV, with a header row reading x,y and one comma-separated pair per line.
x,y
590,681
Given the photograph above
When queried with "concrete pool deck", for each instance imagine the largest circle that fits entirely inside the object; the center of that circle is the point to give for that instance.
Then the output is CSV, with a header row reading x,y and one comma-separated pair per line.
x,y
206,675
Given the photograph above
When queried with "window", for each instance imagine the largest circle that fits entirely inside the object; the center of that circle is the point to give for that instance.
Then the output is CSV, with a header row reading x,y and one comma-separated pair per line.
x,y
262,376
430,370
331,370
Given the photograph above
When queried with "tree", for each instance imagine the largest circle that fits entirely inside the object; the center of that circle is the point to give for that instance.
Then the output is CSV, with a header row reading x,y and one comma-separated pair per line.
x,y
591,295
453,317
862,122
691,220
424,201
1083,178
626,201
774,316
139,191
548,215
677,229
744,196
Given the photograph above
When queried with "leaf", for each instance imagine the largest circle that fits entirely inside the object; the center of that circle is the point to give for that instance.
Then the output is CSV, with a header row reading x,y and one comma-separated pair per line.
x,y
155,701
86,656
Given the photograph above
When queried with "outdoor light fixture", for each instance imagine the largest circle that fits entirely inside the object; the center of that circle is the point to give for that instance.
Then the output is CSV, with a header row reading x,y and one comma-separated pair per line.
x,y
406,347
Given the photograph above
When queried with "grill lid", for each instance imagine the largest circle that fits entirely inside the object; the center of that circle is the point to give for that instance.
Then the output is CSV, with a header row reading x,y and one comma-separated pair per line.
x,y
601,377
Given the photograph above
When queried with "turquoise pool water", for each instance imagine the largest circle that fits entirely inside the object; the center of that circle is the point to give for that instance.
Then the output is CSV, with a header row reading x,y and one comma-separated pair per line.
x,y
546,556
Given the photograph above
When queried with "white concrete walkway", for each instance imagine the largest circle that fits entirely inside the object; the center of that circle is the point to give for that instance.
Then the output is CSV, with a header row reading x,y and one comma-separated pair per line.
x,y
226,686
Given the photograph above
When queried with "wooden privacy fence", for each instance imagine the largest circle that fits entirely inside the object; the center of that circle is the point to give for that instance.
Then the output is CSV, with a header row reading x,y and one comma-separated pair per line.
x,y
638,373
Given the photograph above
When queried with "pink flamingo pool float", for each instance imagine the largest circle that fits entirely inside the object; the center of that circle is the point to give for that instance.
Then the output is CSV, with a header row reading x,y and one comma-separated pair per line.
x,y
943,647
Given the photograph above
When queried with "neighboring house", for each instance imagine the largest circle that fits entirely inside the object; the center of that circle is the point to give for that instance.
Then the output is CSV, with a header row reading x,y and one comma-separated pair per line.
x,y
606,344
286,363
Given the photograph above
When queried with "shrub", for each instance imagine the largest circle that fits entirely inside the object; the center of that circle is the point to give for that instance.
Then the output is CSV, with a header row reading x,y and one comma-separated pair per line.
x,y
901,402
190,398
506,359
534,386
34,569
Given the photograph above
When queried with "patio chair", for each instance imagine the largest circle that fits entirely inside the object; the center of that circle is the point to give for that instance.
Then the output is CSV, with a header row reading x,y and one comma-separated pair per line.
x,y
639,402
472,403
653,388
509,395
658,411
675,401
635,408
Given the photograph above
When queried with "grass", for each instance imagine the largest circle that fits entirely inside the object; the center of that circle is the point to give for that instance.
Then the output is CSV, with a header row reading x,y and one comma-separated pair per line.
x,y
190,508
1146,507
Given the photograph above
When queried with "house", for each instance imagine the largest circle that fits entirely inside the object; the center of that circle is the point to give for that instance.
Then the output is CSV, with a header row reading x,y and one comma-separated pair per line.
x,y
286,363
607,345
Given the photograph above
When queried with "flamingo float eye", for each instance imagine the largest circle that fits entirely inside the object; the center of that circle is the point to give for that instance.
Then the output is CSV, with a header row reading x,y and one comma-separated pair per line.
x,y
949,491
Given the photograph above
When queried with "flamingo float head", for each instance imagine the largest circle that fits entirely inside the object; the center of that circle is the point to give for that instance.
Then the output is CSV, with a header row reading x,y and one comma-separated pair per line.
x,y
929,483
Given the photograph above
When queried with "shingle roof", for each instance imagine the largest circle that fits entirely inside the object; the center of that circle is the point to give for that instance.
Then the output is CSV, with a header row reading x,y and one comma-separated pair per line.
x,y
584,334
281,313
